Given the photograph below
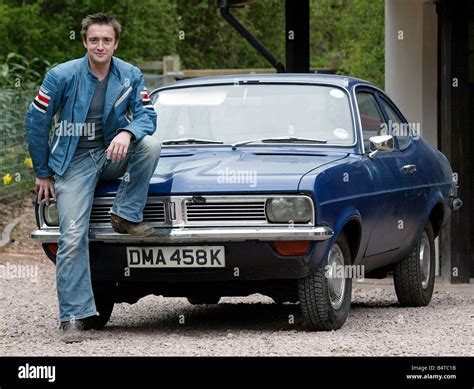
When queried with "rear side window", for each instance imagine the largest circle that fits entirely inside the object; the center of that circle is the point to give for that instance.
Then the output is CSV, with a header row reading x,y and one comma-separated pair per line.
x,y
398,127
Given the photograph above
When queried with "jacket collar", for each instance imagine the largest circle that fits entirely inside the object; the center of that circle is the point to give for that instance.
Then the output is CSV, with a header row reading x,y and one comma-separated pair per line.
x,y
114,84
113,67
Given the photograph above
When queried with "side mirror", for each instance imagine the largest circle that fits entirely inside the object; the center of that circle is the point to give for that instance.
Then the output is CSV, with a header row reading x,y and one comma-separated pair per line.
x,y
381,143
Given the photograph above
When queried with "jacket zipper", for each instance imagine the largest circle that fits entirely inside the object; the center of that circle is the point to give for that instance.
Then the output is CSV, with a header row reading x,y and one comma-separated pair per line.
x,y
58,117
56,144
123,97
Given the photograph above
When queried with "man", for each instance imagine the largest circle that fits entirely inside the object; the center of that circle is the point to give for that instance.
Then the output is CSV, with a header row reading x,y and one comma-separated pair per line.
x,y
104,125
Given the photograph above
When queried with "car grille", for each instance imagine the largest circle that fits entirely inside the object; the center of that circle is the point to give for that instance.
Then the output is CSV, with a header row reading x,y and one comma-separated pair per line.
x,y
225,211
153,213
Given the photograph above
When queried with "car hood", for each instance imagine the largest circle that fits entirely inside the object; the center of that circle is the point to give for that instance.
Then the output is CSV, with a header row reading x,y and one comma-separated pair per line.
x,y
236,171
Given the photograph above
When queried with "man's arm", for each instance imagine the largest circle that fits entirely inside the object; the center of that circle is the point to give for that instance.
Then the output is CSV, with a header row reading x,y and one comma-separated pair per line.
x,y
38,125
143,123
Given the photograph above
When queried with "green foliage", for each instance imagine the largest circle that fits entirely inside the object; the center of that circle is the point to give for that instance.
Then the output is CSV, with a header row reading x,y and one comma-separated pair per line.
x,y
349,35
17,72
13,151
210,42
345,34
51,29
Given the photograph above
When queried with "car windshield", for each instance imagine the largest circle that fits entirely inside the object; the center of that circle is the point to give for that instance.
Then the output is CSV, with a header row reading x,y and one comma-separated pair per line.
x,y
239,113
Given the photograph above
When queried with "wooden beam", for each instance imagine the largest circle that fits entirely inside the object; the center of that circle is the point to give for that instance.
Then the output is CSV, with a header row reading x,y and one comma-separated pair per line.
x,y
454,138
192,73
151,66
297,36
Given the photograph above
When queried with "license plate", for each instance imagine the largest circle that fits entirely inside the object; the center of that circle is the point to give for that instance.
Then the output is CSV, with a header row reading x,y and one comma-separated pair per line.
x,y
177,257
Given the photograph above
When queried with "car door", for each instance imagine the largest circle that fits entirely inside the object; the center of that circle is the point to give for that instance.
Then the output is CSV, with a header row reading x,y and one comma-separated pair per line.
x,y
389,187
410,209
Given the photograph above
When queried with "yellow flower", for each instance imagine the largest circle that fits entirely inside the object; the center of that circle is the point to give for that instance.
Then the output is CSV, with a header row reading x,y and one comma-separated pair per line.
x,y
28,162
7,179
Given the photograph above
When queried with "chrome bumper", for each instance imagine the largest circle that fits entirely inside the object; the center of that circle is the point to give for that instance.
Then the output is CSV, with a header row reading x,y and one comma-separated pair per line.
x,y
190,235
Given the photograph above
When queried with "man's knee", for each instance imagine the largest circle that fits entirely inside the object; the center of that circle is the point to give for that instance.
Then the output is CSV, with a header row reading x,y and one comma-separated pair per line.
x,y
72,242
150,144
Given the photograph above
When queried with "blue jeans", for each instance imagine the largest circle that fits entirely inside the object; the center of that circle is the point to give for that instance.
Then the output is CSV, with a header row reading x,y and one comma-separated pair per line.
x,y
75,194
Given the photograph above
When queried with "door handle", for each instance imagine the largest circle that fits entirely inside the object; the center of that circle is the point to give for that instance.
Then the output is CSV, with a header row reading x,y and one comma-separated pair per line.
x,y
409,168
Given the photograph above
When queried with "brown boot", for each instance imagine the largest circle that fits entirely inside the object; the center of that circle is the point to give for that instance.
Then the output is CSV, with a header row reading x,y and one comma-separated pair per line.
x,y
138,230
73,331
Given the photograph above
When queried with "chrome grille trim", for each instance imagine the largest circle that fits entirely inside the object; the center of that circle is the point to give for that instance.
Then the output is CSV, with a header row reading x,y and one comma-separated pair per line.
x,y
229,211
232,210
182,211
154,212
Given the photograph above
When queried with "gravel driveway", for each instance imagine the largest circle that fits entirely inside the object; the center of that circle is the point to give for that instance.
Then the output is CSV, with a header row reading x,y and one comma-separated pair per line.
x,y
248,326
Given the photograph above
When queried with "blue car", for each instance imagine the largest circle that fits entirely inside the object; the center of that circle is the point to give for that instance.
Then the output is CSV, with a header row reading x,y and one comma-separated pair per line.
x,y
288,185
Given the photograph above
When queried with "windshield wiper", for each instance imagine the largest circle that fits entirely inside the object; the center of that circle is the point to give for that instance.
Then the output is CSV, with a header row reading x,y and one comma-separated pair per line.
x,y
190,140
281,139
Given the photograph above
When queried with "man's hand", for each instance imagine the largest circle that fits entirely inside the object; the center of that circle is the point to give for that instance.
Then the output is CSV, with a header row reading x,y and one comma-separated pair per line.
x,y
45,188
118,148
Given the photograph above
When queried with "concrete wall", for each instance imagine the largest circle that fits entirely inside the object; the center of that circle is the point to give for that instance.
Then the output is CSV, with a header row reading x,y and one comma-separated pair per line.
x,y
411,52
411,61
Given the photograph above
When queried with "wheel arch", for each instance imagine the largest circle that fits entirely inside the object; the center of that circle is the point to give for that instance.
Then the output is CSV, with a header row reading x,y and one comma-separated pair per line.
x,y
353,233
349,222
436,217
437,212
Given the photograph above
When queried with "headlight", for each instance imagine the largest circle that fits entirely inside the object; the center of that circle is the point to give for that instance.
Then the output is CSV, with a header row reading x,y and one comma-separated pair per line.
x,y
50,214
287,209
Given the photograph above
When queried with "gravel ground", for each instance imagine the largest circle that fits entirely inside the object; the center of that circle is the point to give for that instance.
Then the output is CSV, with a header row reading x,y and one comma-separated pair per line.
x,y
251,326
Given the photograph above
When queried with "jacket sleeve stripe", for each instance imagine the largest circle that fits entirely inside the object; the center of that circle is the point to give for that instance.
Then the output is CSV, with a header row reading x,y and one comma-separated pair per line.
x,y
43,97
39,106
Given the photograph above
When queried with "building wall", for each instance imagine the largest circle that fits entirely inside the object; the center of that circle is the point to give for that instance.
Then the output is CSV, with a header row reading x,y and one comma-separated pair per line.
x,y
411,52
411,61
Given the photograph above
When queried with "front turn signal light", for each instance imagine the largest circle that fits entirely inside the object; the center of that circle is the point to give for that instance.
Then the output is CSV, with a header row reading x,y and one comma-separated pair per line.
x,y
292,247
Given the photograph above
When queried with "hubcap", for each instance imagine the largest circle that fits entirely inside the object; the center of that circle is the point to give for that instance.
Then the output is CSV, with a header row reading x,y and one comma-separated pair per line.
x,y
336,283
425,260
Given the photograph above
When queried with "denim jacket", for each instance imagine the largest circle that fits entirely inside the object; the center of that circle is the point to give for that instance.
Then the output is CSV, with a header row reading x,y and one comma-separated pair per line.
x,y
65,96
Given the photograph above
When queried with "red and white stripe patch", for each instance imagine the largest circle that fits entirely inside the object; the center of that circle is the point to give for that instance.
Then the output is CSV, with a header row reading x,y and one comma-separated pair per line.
x,y
43,97
41,101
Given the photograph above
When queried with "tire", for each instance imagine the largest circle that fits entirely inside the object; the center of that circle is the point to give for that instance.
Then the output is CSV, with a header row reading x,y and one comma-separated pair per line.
x,y
325,301
200,300
104,305
414,276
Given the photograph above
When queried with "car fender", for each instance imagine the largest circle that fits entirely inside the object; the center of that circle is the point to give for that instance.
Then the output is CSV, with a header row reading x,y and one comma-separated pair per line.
x,y
321,249
435,198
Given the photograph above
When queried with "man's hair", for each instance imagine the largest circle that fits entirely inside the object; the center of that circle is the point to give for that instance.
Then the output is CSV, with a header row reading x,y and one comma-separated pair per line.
x,y
101,19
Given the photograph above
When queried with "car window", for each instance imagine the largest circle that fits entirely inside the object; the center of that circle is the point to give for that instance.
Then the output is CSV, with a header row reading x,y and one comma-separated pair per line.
x,y
398,126
371,118
235,113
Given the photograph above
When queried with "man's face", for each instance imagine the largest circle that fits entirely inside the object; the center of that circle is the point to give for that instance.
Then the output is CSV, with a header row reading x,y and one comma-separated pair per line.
x,y
100,43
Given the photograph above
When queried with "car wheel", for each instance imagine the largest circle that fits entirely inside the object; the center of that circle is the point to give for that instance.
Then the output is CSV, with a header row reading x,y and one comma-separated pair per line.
x,y
199,300
325,298
104,305
414,276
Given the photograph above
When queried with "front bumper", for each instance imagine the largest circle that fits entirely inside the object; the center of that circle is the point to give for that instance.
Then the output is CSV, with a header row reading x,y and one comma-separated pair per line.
x,y
193,235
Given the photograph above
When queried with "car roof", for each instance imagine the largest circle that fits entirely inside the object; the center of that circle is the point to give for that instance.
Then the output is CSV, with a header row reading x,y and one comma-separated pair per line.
x,y
340,80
